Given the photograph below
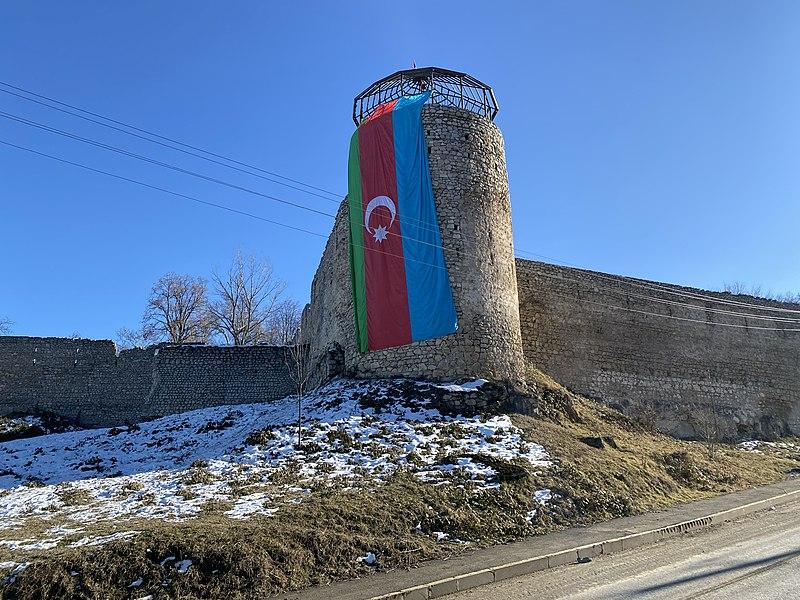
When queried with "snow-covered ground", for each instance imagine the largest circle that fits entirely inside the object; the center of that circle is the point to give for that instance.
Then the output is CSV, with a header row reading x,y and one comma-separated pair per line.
x,y
55,489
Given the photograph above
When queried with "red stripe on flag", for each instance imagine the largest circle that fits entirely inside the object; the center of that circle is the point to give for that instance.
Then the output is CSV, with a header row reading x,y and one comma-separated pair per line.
x,y
388,320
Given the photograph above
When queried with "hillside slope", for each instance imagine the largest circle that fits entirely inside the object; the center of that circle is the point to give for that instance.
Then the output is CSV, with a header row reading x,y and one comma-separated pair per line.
x,y
221,500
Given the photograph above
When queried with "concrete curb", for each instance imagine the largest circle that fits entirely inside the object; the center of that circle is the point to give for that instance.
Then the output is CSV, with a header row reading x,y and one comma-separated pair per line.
x,y
466,581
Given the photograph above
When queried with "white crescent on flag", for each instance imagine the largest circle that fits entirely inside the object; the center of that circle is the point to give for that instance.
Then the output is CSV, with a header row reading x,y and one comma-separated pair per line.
x,y
380,233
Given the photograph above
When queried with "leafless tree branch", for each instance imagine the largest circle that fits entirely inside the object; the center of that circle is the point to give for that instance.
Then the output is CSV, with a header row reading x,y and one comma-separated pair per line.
x,y
297,360
739,288
128,338
283,325
5,325
177,310
245,300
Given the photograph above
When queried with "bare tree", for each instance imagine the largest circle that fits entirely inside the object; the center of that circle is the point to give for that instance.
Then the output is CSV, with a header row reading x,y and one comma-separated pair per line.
x,y
284,323
739,288
177,310
245,299
792,297
297,360
5,326
128,338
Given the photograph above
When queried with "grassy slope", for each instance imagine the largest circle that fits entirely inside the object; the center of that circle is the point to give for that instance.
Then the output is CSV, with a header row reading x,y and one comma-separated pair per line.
x,y
315,542
646,471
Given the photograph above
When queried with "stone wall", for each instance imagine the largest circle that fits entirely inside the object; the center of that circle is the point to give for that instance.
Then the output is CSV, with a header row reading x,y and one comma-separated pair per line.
x,y
599,335
88,382
190,377
470,186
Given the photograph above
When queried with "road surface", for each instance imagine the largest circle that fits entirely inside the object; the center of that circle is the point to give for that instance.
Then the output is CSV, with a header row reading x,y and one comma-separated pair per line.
x,y
757,557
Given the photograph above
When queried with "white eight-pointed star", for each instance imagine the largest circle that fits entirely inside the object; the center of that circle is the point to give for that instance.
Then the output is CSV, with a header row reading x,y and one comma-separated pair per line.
x,y
380,233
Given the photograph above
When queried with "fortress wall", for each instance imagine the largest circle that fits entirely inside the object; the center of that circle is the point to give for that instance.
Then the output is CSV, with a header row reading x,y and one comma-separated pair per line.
x,y
59,375
191,377
470,185
677,374
87,382
117,387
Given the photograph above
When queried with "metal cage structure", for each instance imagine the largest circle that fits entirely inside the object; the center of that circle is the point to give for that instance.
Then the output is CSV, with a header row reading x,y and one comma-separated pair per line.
x,y
448,88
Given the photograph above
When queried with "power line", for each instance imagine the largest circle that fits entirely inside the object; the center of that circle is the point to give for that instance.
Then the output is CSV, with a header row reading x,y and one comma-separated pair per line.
x,y
176,168
670,302
159,163
662,288
155,135
423,224
205,202
160,189
147,159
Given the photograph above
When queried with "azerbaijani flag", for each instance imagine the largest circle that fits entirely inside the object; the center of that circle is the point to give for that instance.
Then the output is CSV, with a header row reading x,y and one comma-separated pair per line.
x,y
401,289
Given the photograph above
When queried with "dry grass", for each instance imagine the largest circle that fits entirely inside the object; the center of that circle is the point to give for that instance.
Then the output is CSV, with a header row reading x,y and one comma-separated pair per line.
x,y
71,496
303,545
648,470
319,540
15,429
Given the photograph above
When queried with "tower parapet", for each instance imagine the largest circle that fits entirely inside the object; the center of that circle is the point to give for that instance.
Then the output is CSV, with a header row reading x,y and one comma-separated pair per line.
x,y
447,88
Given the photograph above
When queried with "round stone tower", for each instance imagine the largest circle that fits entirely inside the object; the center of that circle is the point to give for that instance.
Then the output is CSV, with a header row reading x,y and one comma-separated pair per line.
x,y
470,185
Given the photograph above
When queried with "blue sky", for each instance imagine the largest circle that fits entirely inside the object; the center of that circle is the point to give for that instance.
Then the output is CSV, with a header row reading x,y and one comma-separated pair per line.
x,y
655,139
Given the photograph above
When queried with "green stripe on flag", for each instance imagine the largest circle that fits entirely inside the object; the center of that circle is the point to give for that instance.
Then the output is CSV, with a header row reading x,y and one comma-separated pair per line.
x,y
356,215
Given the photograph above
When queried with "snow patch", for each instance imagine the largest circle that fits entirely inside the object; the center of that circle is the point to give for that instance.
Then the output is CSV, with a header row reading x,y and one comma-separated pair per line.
x,y
354,433
16,569
251,505
104,539
469,386
29,544
183,566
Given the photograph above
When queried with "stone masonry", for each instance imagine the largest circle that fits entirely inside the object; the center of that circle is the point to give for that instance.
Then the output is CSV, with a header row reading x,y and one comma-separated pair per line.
x,y
87,382
627,342
470,185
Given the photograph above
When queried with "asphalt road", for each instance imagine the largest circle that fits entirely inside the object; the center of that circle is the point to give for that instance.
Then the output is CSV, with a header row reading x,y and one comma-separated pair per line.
x,y
755,557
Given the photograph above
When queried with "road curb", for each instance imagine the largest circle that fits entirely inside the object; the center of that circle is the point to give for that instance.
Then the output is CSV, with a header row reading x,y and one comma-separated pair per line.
x,y
466,581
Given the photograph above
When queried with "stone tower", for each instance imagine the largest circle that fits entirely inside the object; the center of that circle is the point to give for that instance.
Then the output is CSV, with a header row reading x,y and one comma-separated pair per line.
x,y
470,185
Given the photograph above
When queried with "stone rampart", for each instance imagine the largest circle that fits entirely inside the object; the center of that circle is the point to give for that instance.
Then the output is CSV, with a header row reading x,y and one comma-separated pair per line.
x,y
88,382
718,368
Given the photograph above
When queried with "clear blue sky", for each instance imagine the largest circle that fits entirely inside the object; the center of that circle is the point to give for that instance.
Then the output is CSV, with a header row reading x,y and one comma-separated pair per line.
x,y
656,139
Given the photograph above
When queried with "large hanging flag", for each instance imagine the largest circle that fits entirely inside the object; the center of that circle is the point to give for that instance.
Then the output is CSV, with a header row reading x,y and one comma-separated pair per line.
x,y
401,289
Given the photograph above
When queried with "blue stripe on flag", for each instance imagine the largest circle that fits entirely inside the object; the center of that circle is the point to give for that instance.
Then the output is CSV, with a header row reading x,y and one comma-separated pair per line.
x,y
430,299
